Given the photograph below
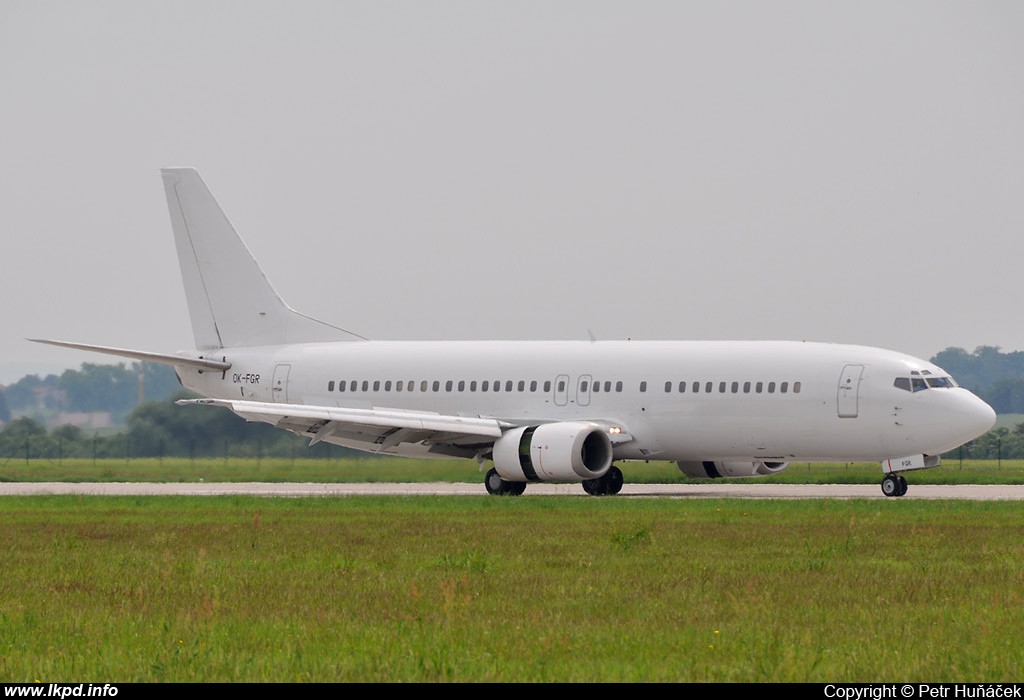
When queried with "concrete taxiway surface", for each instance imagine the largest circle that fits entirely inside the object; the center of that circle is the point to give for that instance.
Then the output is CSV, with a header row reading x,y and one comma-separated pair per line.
x,y
702,490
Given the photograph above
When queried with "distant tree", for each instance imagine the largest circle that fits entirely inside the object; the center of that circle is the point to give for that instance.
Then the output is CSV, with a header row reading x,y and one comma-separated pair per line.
x,y
21,433
1006,396
24,427
23,395
5,413
988,372
100,388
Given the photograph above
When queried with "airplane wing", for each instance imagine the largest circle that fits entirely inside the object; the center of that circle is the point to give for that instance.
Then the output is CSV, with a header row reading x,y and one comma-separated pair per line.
x,y
379,429
372,429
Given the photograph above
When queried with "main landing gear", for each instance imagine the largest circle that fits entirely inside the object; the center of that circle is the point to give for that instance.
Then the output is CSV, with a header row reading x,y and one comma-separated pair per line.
x,y
496,486
607,485
894,485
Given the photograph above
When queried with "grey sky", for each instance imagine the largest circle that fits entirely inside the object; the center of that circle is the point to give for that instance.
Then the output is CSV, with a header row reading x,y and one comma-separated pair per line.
x,y
527,170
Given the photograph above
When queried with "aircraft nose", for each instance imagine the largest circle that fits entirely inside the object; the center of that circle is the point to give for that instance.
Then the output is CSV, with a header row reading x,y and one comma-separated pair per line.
x,y
979,416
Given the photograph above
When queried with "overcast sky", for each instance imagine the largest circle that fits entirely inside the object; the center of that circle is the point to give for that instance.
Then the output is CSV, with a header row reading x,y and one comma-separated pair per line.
x,y
847,172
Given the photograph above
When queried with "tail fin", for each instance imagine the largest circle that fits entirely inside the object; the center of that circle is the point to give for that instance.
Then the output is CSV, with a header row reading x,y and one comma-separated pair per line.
x,y
230,300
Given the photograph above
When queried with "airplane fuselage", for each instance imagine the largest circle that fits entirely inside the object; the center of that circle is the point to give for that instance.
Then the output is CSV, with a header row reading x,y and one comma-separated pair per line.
x,y
775,401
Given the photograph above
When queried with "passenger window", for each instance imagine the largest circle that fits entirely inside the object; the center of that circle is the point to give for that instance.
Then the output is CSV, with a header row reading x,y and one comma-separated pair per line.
x,y
561,386
796,387
437,386
746,387
668,387
758,387
484,385
696,387
682,387
398,385
784,387
533,385
387,385
618,386
607,387
597,387
330,385
643,387
366,385
472,385
508,385
448,385
376,385
522,385
547,386
462,385
771,387
721,387
735,387
423,385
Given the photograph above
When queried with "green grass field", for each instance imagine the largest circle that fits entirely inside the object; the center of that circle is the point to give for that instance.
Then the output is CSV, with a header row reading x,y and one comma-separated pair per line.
x,y
452,589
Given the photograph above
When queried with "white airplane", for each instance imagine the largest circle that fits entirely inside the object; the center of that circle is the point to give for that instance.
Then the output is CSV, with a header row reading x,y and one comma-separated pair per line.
x,y
547,411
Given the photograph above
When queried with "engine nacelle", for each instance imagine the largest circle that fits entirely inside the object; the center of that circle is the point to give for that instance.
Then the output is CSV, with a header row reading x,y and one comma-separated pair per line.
x,y
564,452
714,470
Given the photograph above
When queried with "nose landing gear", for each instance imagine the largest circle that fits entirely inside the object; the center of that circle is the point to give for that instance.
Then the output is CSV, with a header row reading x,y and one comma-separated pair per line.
x,y
894,485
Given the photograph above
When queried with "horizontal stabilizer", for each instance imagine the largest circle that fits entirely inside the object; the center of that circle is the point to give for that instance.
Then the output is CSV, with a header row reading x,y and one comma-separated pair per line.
x,y
164,359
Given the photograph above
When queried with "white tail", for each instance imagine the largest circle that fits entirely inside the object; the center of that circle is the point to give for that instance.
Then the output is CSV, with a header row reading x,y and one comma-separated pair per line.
x,y
230,301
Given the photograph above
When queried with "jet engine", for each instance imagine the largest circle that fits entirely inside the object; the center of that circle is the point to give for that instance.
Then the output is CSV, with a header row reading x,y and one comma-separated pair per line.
x,y
563,452
714,470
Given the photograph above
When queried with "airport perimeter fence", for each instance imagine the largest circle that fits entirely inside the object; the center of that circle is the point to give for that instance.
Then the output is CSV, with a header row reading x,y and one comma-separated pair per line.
x,y
57,450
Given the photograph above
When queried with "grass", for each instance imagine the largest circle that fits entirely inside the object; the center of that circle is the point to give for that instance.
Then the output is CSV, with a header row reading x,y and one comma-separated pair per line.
x,y
123,589
414,470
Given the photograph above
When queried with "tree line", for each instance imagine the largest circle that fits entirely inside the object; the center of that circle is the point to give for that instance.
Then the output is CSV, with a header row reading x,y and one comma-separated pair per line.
x,y
95,387
159,429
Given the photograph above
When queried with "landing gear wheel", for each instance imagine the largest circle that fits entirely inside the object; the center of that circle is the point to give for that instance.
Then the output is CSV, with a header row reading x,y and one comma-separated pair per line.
x,y
613,481
894,485
607,485
496,486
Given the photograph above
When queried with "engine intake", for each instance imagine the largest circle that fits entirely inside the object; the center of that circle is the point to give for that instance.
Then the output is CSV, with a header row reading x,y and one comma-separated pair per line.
x,y
563,452
714,470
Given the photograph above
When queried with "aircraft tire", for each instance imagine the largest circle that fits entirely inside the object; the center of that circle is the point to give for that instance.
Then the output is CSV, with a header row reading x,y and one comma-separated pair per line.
x,y
891,486
903,485
496,486
594,487
613,481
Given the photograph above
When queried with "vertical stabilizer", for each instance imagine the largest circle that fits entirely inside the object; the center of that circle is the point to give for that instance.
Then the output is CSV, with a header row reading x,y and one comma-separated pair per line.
x,y
230,300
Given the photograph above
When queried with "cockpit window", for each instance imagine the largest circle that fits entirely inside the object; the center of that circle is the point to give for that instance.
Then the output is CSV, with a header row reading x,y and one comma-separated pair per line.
x,y
919,383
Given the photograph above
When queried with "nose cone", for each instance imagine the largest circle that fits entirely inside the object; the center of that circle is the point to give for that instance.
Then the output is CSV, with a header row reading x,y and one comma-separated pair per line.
x,y
982,416
974,418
